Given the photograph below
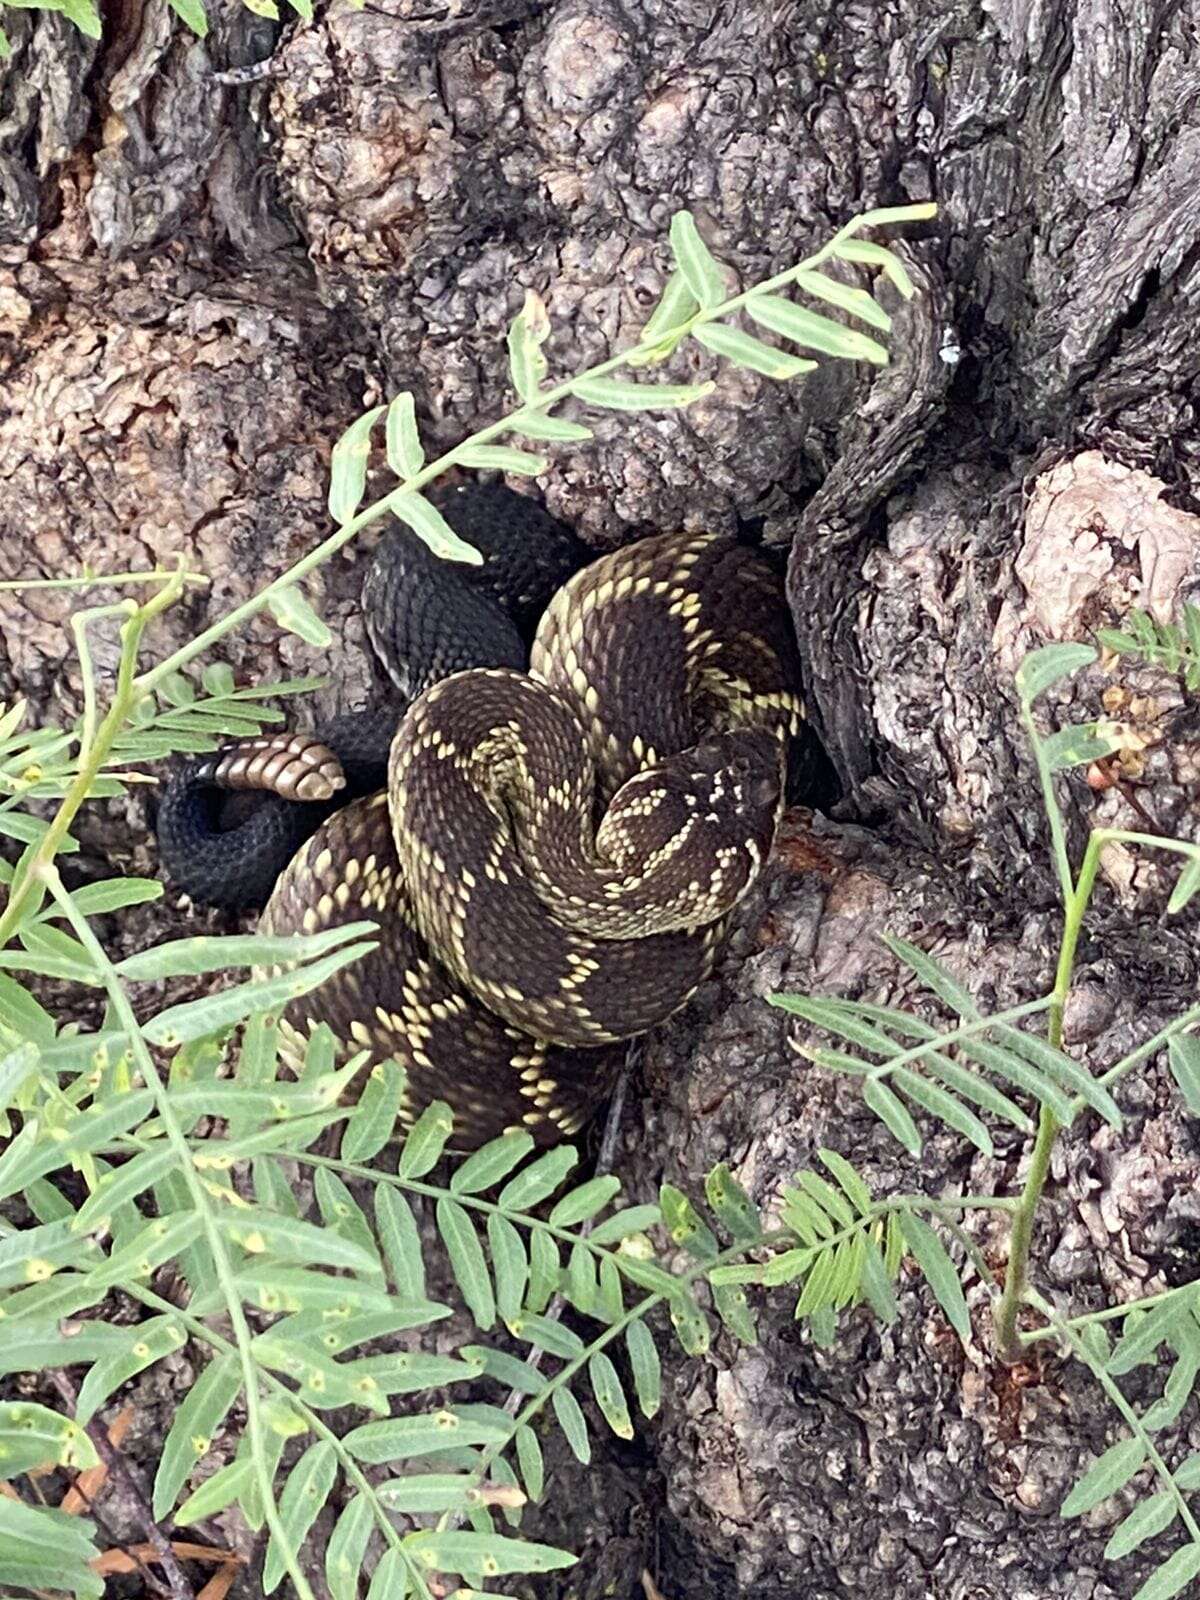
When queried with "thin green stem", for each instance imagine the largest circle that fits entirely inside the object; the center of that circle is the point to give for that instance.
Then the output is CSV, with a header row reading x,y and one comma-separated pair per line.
x,y
214,1238
1054,816
312,1419
96,580
1022,1236
1087,1318
510,423
1151,1046
1113,1390
91,757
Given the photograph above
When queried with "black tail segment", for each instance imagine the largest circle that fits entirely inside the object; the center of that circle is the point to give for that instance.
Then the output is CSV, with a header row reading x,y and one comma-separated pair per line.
x,y
233,867
426,618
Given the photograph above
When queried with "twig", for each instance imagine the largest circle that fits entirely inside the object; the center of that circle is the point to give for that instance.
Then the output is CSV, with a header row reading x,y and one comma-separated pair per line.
x,y
119,1470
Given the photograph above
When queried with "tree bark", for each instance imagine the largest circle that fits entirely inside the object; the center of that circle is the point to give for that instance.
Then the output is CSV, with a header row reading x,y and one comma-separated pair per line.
x,y
203,280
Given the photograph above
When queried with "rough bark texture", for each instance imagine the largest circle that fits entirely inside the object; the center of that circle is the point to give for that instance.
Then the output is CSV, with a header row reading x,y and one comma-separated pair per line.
x,y
202,282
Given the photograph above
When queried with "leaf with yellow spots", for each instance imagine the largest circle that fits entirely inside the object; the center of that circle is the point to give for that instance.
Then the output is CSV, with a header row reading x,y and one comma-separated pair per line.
x,y
427,1434
484,1555
34,1436
196,1425
148,1343
263,1233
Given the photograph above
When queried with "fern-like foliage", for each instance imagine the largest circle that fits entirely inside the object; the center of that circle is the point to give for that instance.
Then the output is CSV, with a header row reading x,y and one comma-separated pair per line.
x,y
1163,1332
1162,644
284,1302
947,1073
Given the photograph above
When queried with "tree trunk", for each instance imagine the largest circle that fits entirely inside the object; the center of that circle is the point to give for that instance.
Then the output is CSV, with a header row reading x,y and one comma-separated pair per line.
x,y
202,281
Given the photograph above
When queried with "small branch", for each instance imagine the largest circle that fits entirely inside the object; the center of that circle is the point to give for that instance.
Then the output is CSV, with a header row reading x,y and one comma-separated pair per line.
x,y
120,1472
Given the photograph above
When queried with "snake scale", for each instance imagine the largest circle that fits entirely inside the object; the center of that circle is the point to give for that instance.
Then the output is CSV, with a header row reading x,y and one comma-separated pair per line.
x,y
555,852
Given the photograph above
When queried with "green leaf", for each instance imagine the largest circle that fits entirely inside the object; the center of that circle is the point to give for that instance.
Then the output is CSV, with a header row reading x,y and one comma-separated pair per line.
x,y
543,1269
374,1119
1042,669
427,1434
537,425
610,1397
1081,742
852,1185
865,252
548,1335
195,1018
467,1260
324,1382
529,331
226,1485
1144,1333
113,894
429,525
666,324
32,1436
279,1289
506,1369
845,297
944,1107
510,1264
541,1178
617,394
744,350
428,1492
342,1214
733,1308
149,1249
700,270
347,1548
405,455
892,1112
633,1219
1186,884
487,1553
150,1342
348,466
495,1160
828,1198
529,1459
813,331
573,1424
292,611
1173,1576
42,1549
501,458
194,1427
940,1274
1183,1054
1064,1070
124,1183
733,1207
391,1579
690,1324
585,1202
876,1284
83,14
401,1241
934,975
303,1497
1142,1523
1108,1473
685,1225
262,1233
422,1150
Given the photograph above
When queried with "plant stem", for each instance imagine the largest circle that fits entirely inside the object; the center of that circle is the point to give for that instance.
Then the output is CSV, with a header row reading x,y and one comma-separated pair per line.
x,y
91,757
215,1240
1113,1390
313,1420
510,423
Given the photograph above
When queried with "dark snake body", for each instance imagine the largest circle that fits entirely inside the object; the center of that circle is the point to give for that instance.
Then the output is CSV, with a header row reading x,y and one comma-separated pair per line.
x,y
554,858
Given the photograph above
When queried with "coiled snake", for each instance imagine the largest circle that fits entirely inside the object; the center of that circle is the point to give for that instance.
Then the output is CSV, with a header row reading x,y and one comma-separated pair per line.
x,y
555,854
